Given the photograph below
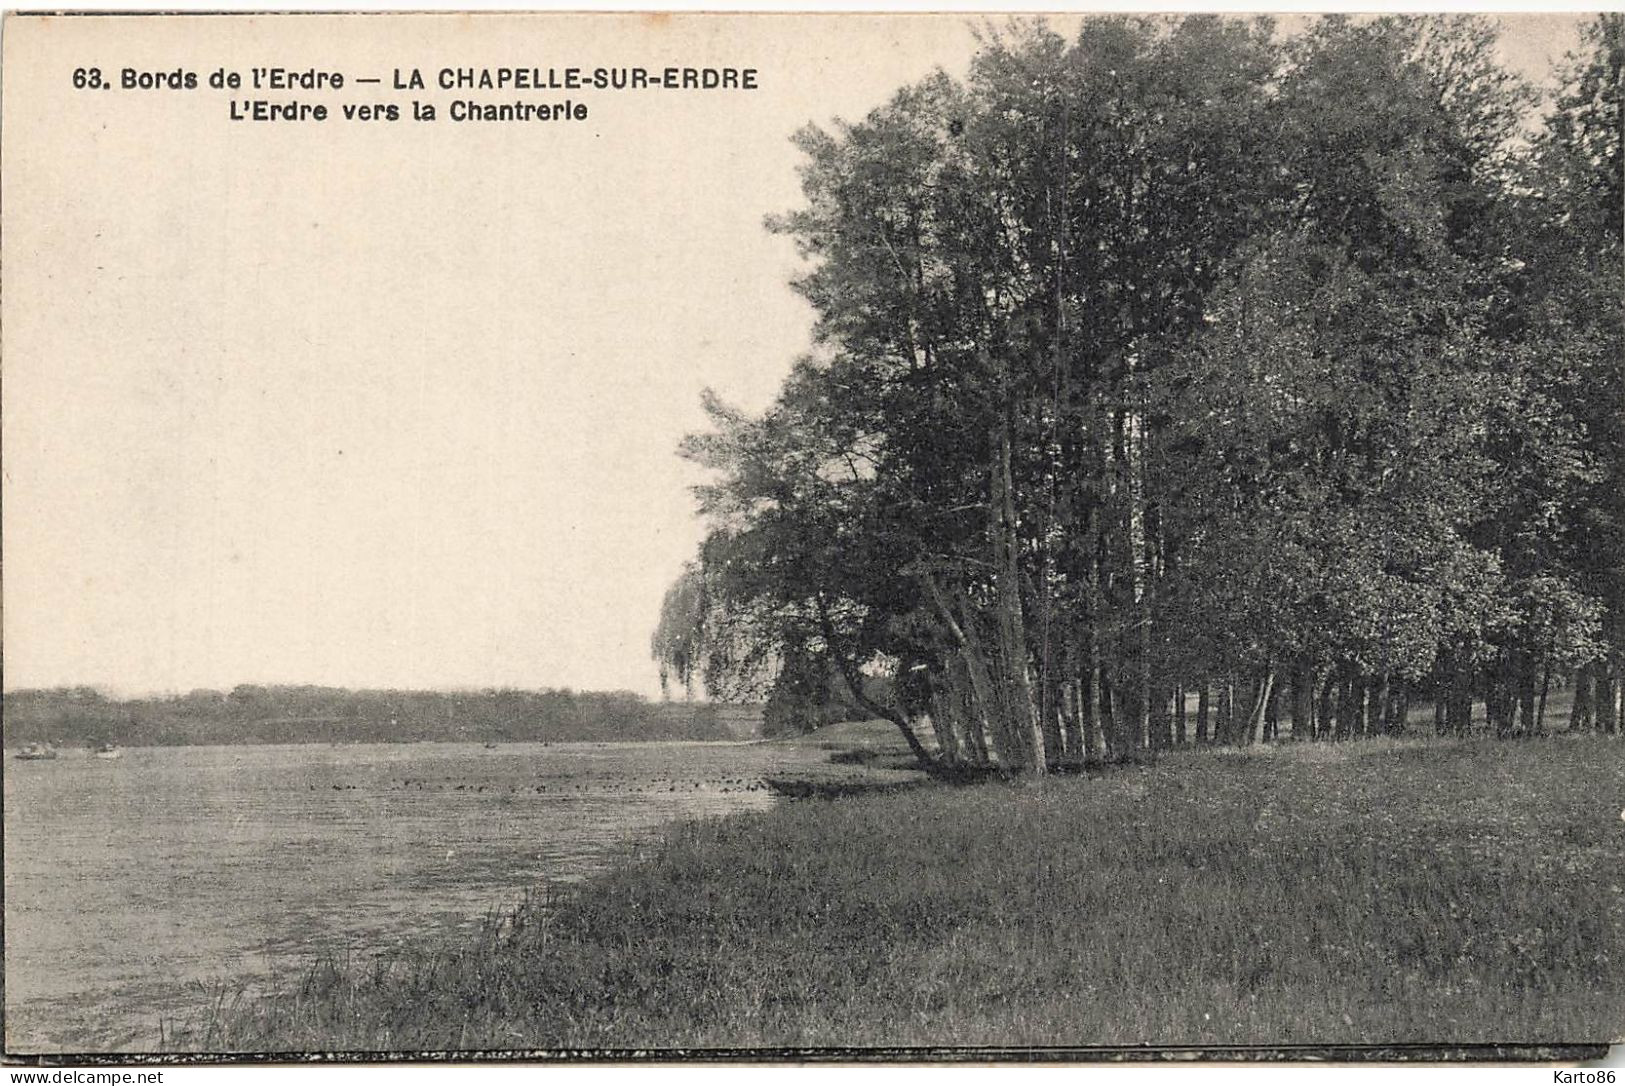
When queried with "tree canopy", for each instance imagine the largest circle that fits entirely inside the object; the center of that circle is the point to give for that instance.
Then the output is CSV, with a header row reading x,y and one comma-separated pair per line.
x,y
1179,357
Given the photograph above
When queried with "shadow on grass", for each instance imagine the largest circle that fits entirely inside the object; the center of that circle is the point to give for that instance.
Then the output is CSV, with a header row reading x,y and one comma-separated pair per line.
x,y
795,788
805,788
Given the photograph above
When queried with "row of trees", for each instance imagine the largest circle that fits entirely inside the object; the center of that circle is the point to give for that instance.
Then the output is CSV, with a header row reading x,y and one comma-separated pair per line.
x,y
320,714
1183,379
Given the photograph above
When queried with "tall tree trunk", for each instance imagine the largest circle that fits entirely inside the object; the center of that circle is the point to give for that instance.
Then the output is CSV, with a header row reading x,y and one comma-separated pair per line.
x,y
1060,737
1108,716
1303,726
1093,676
1376,721
1072,697
1179,715
1272,714
1161,718
1260,709
972,740
1346,705
1247,693
1582,716
1070,750
1401,706
1012,625
1066,703
1087,724
1500,702
942,726
1545,686
1140,715
1526,693
984,690
1051,717
1104,653
1461,699
1442,670
1090,664
1606,698
1326,712
975,720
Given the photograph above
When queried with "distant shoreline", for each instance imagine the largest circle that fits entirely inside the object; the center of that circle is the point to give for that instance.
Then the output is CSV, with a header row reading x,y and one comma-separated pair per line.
x,y
9,750
269,715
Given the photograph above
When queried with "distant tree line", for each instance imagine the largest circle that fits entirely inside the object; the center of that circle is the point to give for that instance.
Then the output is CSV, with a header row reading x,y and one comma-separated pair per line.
x,y
1182,380
316,714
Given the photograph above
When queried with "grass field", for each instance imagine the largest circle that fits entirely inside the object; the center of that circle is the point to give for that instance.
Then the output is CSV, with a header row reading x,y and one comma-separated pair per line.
x,y
1361,893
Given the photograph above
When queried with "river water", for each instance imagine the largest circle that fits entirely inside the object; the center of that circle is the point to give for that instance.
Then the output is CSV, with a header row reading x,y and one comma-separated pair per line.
x,y
137,887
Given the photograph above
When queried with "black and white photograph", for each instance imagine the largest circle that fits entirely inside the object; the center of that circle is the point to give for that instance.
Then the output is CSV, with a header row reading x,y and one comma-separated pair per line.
x,y
879,537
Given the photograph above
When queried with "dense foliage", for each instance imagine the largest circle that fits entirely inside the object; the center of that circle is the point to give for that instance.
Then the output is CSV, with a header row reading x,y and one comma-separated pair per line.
x,y
1182,377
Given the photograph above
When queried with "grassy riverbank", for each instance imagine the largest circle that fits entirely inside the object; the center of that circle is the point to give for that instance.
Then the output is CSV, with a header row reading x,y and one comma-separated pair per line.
x,y
1359,893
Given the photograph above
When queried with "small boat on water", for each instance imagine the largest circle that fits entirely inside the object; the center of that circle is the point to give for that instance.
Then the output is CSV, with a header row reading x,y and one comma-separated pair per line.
x,y
106,750
37,752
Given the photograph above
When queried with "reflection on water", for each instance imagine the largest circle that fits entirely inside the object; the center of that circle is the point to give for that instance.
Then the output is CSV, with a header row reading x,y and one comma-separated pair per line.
x,y
134,884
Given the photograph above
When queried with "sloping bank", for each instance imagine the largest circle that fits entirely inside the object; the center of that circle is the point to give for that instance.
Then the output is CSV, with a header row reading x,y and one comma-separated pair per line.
x,y
1370,893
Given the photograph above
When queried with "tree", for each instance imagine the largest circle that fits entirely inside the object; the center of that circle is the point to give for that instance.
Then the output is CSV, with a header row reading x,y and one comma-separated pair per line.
x,y
1565,303
677,643
1172,356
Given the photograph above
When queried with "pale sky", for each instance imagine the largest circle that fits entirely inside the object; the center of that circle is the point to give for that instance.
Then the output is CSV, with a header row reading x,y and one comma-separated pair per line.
x,y
394,407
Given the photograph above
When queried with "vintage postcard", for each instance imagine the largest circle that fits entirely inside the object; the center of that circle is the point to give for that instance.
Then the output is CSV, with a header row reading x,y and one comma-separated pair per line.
x,y
831,535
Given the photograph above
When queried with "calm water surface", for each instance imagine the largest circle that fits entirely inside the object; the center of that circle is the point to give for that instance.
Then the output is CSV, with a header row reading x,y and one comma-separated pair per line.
x,y
134,885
